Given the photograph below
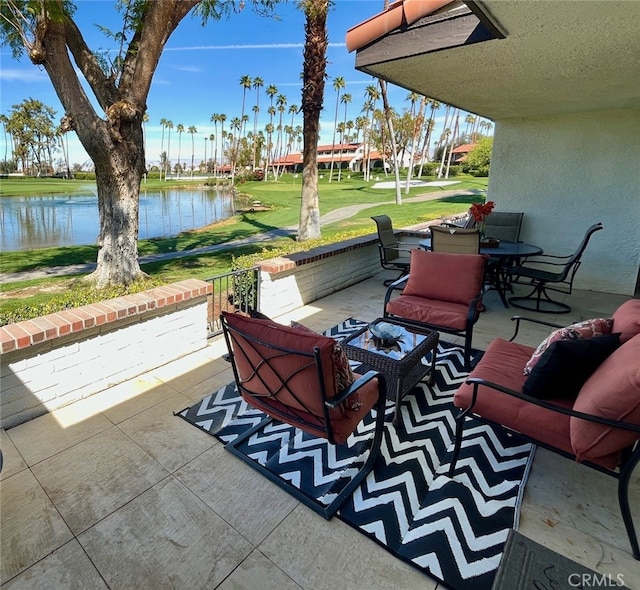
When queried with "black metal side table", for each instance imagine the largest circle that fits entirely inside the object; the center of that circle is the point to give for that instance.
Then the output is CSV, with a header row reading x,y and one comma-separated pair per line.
x,y
401,362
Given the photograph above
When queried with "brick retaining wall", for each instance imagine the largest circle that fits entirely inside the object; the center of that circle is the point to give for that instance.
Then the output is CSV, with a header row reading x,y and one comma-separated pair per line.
x,y
54,360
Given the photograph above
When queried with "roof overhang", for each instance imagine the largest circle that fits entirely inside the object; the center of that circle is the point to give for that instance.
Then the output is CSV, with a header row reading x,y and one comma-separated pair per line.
x,y
512,58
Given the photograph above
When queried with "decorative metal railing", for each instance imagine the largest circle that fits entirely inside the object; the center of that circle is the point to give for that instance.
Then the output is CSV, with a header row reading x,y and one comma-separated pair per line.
x,y
235,291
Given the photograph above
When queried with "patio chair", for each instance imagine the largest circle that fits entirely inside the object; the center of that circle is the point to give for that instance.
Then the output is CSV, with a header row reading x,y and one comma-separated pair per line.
x,y
455,240
443,292
547,272
303,379
393,254
503,225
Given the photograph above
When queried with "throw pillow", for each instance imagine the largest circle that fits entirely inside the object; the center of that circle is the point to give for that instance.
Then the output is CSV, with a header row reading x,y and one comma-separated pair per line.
x,y
577,331
566,365
342,371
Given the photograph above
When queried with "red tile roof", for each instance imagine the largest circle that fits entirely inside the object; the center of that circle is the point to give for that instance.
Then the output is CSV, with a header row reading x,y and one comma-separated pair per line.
x,y
401,12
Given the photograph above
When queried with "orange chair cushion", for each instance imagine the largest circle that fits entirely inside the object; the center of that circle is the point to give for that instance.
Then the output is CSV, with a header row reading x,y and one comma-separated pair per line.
x,y
428,311
439,276
613,392
502,364
626,320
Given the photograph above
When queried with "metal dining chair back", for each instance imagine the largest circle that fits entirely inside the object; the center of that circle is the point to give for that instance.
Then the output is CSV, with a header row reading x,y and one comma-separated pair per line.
x,y
455,240
503,225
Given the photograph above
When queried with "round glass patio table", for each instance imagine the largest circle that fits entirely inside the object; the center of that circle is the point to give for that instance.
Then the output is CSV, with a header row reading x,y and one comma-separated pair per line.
x,y
507,253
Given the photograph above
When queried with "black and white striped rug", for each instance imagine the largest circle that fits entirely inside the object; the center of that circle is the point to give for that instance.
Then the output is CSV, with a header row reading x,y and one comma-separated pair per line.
x,y
453,529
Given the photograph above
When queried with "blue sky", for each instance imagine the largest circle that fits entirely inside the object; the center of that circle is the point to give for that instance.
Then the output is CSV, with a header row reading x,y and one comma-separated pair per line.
x,y
200,69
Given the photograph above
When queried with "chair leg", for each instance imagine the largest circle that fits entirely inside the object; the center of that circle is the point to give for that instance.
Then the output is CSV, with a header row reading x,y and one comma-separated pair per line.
x,y
389,281
623,500
538,300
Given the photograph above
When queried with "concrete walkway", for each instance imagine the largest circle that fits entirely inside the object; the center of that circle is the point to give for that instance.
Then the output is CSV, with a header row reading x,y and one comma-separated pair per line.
x,y
331,217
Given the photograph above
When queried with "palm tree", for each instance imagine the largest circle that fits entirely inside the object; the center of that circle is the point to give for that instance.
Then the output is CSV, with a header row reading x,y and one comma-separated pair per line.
x,y
388,116
281,103
345,99
469,120
180,130
169,125
313,76
205,154
418,121
212,139
222,118
257,84
434,105
163,124
192,131
215,119
373,94
245,82
338,84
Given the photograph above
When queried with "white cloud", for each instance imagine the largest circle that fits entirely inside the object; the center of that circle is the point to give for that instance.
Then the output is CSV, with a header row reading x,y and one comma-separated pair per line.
x,y
23,75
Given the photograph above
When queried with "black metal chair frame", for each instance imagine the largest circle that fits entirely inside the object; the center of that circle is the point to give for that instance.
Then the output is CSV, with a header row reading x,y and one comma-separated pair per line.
x,y
392,255
543,281
630,456
294,418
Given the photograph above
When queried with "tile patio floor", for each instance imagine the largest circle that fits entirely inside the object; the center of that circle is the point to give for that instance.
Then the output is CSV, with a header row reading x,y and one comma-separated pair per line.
x,y
117,492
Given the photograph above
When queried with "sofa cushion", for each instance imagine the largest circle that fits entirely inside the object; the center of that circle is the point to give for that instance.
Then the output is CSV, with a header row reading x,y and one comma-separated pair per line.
x,y
502,364
579,330
613,392
626,319
455,278
566,365
445,314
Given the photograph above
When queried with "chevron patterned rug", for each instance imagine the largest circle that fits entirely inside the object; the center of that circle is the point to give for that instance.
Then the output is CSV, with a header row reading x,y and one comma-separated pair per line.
x,y
452,529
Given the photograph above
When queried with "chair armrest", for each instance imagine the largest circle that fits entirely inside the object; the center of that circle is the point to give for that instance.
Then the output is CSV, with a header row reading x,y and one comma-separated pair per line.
x,y
395,248
517,319
396,285
546,259
477,381
357,384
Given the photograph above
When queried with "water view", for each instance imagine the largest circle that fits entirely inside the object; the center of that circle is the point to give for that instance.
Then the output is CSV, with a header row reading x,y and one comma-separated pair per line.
x,y
62,220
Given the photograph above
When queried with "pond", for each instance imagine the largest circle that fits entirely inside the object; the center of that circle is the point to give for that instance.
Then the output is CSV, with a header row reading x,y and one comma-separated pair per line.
x,y
44,221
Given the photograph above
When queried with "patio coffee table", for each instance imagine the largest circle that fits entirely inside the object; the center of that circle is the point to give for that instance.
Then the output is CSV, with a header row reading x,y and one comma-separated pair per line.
x,y
401,363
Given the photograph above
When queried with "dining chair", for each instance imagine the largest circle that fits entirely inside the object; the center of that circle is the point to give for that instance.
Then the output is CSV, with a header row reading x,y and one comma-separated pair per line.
x,y
455,240
393,254
503,225
549,273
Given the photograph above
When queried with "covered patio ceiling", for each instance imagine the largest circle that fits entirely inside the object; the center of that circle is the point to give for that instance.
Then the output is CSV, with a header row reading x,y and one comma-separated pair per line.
x,y
558,56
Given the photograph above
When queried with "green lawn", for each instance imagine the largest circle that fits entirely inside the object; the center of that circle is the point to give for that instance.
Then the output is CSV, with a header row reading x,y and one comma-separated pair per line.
x,y
283,199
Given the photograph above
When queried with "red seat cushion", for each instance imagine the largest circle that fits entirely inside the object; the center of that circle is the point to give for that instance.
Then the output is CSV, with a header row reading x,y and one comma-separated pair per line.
x,y
613,392
502,364
428,311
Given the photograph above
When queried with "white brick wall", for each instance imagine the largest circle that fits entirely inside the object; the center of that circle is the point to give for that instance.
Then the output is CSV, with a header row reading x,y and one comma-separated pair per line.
x,y
51,375
287,290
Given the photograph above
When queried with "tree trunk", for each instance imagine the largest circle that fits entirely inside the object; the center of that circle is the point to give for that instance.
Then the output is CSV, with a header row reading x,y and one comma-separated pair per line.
x,y
392,135
315,64
114,138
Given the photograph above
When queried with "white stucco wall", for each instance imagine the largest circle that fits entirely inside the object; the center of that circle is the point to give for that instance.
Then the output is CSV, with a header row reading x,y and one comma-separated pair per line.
x,y
567,173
